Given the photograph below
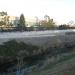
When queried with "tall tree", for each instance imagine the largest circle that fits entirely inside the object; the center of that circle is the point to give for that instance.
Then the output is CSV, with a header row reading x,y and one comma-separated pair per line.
x,y
22,24
5,18
49,22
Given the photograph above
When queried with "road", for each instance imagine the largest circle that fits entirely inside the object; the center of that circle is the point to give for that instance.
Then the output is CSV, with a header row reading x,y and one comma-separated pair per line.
x,y
40,38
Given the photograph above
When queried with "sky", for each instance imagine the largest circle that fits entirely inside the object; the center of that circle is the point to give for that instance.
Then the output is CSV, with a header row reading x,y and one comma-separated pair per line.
x,y
62,11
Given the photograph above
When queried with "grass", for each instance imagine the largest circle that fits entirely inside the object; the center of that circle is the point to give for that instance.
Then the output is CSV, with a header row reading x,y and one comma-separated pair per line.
x,y
54,66
62,60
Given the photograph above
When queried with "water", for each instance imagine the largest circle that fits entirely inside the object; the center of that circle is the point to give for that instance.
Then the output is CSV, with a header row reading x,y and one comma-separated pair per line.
x,y
24,69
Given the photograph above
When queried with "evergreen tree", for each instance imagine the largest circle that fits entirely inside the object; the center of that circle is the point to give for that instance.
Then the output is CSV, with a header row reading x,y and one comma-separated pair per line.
x,y
22,23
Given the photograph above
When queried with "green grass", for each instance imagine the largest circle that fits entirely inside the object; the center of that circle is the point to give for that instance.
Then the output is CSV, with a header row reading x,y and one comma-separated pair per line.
x,y
65,60
61,61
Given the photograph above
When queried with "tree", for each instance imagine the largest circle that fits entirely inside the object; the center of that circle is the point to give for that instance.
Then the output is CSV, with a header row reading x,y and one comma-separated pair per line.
x,y
3,13
64,26
2,23
22,22
49,22
5,19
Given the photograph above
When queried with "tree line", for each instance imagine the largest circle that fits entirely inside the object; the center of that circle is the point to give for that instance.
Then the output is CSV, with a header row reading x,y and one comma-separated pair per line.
x,y
46,24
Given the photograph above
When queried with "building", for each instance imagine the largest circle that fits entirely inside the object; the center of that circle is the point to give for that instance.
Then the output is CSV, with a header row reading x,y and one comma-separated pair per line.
x,y
14,20
30,21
